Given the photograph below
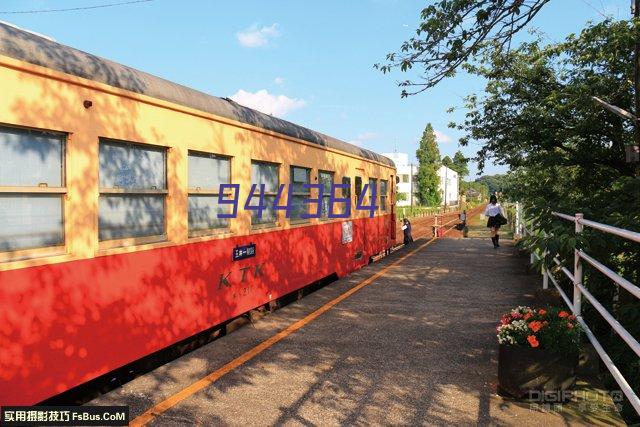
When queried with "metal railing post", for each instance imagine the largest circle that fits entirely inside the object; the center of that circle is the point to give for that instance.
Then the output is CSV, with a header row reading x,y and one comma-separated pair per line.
x,y
577,270
518,230
545,273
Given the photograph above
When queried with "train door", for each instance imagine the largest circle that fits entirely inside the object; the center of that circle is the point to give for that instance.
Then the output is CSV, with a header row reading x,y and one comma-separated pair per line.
x,y
358,231
392,206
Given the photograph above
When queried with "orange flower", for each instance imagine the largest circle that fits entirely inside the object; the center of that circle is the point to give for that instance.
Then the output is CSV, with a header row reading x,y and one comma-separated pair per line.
x,y
563,314
535,326
533,341
542,312
528,316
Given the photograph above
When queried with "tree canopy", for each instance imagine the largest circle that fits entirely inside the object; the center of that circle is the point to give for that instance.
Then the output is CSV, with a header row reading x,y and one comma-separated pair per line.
x,y
428,156
459,163
452,32
538,105
566,154
494,183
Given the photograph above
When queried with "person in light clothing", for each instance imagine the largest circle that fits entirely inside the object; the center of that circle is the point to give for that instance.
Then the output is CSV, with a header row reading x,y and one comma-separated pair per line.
x,y
497,218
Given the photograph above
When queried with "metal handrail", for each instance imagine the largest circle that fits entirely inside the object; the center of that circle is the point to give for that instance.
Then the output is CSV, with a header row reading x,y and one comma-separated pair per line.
x,y
561,291
620,330
627,234
564,269
564,216
579,290
633,289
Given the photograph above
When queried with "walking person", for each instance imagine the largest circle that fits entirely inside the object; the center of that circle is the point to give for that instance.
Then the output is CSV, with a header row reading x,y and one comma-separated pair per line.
x,y
406,229
496,218
463,219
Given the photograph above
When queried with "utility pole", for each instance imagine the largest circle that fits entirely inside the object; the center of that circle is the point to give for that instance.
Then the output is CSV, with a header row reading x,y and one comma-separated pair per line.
x,y
446,170
411,181
636,73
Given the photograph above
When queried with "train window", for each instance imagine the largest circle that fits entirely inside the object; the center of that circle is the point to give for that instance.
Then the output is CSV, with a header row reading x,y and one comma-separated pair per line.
x,y
326,179
299,177
358,187
133,188
206,173
373,184
346,192
383,195
32,186
267,174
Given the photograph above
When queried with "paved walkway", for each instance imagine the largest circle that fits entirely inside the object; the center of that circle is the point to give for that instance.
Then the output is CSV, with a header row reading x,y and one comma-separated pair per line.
x,y
415,347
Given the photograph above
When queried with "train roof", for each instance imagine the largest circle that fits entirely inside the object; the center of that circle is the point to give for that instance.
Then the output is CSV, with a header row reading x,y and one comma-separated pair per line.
x,y
35,49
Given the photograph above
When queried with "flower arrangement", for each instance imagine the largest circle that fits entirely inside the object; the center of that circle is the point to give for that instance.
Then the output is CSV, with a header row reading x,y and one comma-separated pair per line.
x,y
550,328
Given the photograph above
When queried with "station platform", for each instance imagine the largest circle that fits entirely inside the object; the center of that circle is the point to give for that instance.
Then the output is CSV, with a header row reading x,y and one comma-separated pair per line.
x,y
408,340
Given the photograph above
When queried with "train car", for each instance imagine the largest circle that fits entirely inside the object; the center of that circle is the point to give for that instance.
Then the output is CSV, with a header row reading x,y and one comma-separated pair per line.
x,y
111,247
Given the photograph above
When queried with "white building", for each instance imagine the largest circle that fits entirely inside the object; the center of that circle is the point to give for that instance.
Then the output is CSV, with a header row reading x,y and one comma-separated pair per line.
x,y
448,186
407,175
405,172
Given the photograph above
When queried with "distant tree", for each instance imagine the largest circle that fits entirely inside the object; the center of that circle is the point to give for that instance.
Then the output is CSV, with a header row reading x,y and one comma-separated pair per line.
x,y
452,32
400,197
479,187
446,161
428,156
495,183
460,164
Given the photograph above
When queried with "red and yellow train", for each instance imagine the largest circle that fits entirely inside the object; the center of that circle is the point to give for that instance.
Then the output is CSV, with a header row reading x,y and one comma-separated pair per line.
x,y
110,244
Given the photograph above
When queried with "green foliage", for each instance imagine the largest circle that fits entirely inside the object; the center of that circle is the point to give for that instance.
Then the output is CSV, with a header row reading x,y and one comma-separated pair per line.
x,y
566,154
494,183
401,197
460,164
477,187
446,161
428,157
452,32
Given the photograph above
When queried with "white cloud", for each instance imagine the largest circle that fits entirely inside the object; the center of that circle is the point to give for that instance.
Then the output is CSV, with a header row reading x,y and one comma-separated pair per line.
x,y
279,81
257,37
276,105
442,137
362,138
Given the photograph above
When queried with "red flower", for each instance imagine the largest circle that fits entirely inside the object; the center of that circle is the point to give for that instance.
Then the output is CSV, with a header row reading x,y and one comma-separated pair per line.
x,y
572,318
563,314
533,341
569,325
535,326
516,315
542,312
528,316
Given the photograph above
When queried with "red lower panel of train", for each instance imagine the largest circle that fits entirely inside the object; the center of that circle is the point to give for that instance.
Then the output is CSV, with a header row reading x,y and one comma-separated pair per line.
x,y
64,324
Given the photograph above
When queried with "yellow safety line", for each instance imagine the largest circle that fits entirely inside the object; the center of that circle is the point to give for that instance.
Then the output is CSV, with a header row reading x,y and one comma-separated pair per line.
x,y
195,387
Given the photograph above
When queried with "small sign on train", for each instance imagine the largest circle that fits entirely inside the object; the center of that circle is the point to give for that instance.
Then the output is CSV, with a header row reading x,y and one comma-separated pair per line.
x,y
245,251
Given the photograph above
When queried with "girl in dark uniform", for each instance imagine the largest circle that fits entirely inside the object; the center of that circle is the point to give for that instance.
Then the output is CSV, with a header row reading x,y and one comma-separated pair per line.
x,y
406,229
496,218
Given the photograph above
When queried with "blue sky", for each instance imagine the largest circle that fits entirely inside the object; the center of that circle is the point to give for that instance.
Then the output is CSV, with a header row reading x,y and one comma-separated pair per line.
x,y
308,62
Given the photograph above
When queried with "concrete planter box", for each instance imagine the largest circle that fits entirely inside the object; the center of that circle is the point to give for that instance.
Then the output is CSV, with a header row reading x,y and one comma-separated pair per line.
x,y
522,370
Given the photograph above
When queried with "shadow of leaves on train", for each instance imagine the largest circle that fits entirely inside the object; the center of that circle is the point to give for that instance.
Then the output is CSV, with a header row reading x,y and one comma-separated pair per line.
x,y
68,322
